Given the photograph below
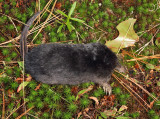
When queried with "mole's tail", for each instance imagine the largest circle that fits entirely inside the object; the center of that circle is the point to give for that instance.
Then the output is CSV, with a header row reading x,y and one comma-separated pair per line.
x,y
23,44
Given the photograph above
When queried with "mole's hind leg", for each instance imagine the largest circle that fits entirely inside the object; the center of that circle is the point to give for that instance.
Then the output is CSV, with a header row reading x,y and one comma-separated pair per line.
x,y
107,88
104,83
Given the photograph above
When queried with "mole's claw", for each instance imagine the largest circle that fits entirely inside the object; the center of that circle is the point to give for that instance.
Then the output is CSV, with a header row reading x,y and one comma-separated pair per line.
x,y
107,88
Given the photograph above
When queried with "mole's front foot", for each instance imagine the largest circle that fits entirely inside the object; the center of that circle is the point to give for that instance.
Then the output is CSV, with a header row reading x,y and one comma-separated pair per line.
x,y
107,88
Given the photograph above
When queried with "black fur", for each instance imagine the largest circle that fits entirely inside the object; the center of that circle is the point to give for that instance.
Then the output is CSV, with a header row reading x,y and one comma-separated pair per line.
x,y
71,63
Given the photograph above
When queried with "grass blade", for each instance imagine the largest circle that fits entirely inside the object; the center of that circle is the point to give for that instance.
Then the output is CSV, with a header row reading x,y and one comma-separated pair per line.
x,y
72,9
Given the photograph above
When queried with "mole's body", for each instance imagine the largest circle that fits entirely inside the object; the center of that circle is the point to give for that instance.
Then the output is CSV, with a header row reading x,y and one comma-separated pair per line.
x,y
69,63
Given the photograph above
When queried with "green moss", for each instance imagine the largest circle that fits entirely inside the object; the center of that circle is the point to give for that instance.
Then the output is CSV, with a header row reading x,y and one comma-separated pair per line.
x,y
31,98
37,99
81,11
67,115
15,114
96,93
41,92
5,6
2,39
3,19
45,86
47,100
117,90
9,71
91,7
14,85
155,117
107,3
126,114
131,9
91,23
38,42
32,84
5,79
122,97
46,115
73,35
53,39
34,93
157,104
11,105
85,85
30,11
96,17
67,91
135,115
39,105
70,98
105,24
5,51
58,114
72,107
84,102
30,104
139,9
56,97
151,113
10,27
123,102
50,93
13,54
24,17
13,2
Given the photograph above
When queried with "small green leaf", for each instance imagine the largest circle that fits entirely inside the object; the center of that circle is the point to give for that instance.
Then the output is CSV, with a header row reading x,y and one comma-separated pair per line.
x,y
21,64
103,115
150,66
72,27
69,26
158,83
62,13
72,9
21,86
59,22
60,28
80,93
78,20
157,42
83,91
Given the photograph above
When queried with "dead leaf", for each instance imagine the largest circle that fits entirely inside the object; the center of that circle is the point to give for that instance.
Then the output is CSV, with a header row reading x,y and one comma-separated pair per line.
x,y
123,107
151,104
79,114
80,93
127,36
95,99
86,109
28,78
110,12
19,80
111,112
20,87
74,89
37,87
10,92
58,5
17,5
